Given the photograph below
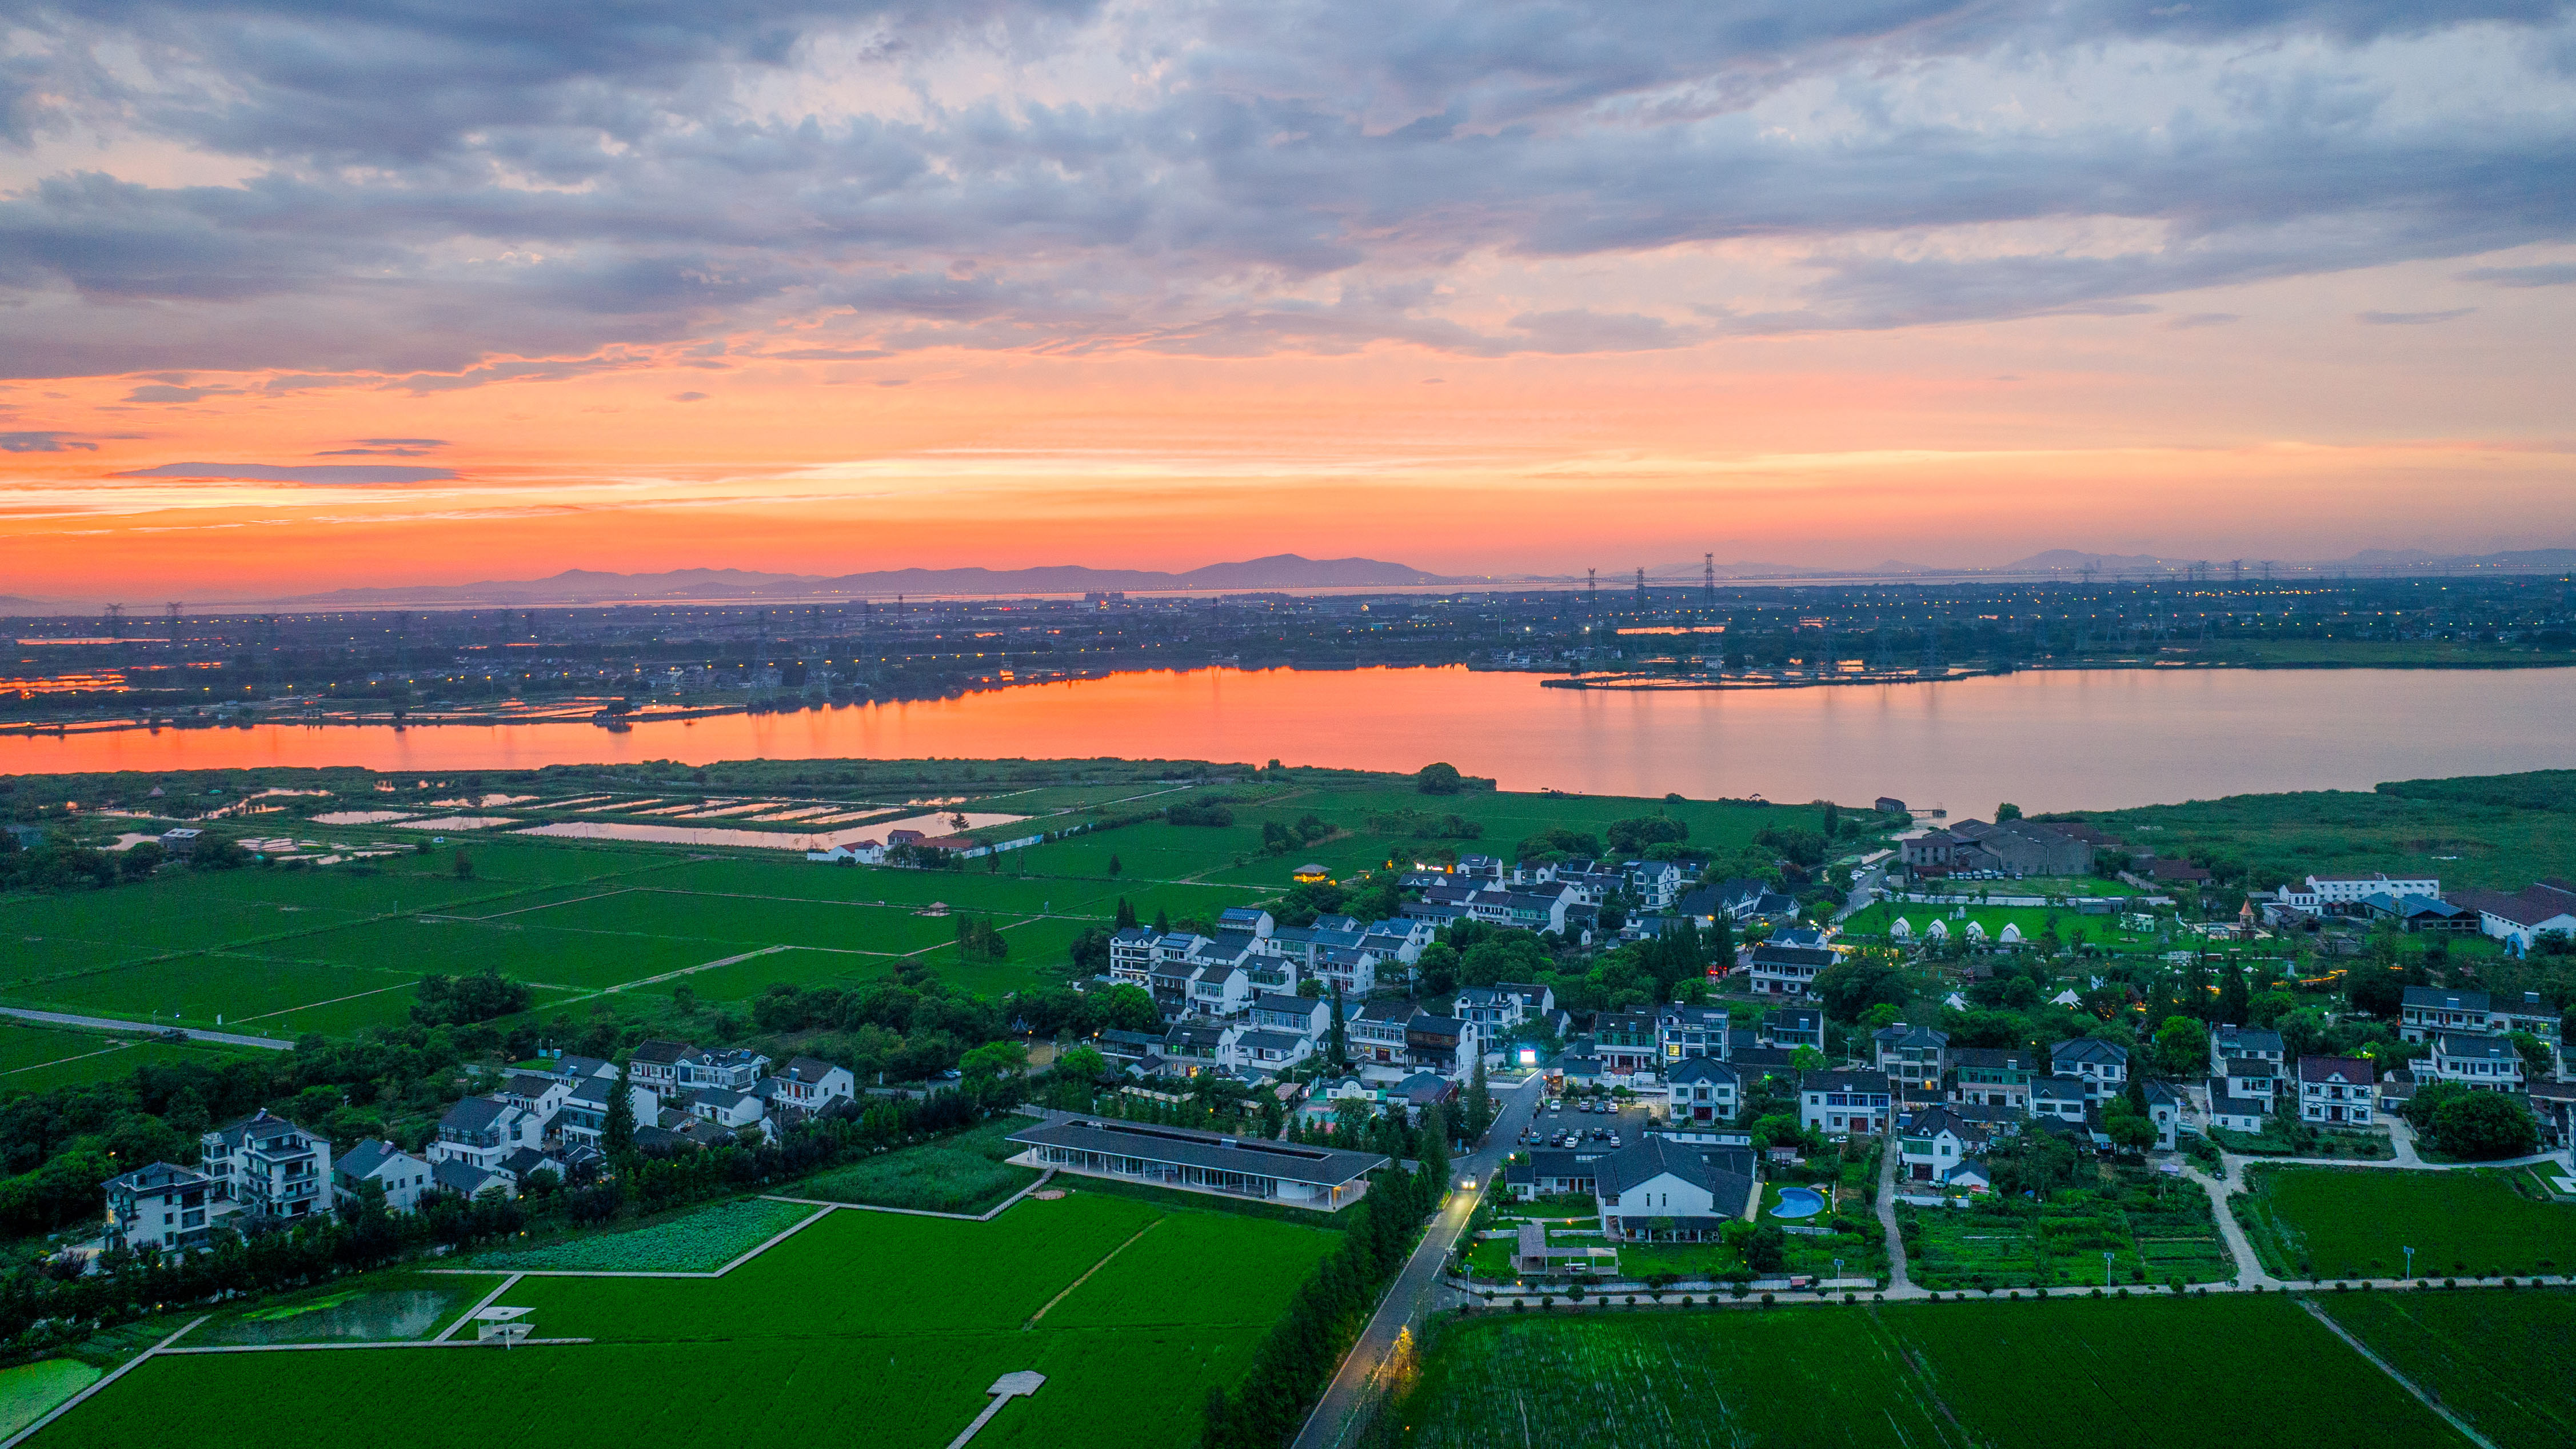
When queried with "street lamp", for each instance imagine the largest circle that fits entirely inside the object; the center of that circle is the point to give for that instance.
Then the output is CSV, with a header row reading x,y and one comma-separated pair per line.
x,y
2410,1261
2106,1270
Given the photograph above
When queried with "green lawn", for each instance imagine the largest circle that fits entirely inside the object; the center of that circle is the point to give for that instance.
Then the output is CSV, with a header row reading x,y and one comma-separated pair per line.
x,y
28,1390
2505,1362
2111,1374
2325,1222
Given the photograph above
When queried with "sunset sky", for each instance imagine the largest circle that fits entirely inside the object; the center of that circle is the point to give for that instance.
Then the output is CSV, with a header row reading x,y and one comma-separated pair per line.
x,y
301,293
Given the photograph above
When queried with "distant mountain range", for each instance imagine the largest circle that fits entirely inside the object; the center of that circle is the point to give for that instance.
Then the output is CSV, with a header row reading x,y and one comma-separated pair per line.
x,y
579,586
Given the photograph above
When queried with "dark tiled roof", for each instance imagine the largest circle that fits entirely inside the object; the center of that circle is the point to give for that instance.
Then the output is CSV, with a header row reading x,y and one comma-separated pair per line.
x,y
1315,1166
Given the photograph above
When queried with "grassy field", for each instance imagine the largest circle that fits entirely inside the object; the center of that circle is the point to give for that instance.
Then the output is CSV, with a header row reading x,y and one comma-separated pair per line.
x,y
2324,1222
28,1390
872,1328
2505,1362
2104,931
2114,1374
2154,1230
960,1174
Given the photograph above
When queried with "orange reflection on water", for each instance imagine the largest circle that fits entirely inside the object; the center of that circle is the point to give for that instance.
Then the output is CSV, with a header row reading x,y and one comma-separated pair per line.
x,y
2044,740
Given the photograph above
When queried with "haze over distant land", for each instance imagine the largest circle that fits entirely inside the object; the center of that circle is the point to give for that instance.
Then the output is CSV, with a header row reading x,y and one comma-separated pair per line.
x,y
303,297
1291,573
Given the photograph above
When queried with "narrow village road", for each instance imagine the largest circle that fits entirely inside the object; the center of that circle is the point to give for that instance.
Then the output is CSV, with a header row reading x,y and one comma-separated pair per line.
x,y
1417,1288
145,1029
1898,1285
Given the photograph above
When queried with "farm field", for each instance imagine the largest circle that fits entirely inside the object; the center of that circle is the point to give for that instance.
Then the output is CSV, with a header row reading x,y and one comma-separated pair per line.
x,y
104,1061
960,1174
894,1322
696,1242
28,1390
2114,1373
2324,1222
2505,1362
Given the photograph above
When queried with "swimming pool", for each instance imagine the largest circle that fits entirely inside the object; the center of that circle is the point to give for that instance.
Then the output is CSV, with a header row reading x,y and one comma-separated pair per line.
x,y
1799,1202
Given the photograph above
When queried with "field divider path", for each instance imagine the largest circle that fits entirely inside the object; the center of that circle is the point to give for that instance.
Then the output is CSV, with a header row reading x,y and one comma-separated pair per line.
x,y
467,1316
2250,1272
376,1343
549,905
683,971
1087,1272
123,1046
2384,1366
1899,1285
111,1376
334,1001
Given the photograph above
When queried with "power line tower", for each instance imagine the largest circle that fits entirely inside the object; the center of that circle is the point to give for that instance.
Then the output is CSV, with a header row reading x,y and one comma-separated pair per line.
x,y
1592,591
170,619
116,621
1708,580
1882,658
2236,571
1641,590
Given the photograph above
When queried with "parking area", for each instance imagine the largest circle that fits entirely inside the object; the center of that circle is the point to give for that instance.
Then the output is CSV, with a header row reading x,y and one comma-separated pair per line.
x,y
1595,1123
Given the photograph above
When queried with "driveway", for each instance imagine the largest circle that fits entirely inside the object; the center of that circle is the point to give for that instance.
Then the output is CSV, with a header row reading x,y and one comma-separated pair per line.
x,y
1417,1291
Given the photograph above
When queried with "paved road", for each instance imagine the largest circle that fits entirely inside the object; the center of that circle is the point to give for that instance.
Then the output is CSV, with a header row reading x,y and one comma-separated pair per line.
x,y
1898,1284
144,1028
1417,1288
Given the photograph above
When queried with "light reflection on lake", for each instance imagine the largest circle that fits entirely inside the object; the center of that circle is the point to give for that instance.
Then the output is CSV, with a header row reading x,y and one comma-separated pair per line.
x,y
2050,739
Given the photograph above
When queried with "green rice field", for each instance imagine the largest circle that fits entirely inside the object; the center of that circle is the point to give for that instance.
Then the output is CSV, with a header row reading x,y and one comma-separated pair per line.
x,y
2111,1373
2505,1362
2324,1222
874,1328
696,1242
960,1174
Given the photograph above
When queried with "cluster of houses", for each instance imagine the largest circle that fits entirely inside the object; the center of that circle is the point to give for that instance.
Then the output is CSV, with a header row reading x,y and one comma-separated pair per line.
x,y
2518,919
266,1169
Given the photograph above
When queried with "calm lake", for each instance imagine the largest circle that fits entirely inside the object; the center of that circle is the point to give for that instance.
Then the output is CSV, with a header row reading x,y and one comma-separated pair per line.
x,y
2047,740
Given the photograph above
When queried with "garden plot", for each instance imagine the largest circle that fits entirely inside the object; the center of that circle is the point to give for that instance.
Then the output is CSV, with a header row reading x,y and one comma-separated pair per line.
x,y
2325,1222
2154,1229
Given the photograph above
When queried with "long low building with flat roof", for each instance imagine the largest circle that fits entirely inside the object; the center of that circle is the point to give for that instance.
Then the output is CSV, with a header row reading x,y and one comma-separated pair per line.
x,y
1324,1178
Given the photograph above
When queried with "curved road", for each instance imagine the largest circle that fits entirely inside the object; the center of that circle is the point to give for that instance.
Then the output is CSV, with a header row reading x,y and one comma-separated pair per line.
x,y
1417,1290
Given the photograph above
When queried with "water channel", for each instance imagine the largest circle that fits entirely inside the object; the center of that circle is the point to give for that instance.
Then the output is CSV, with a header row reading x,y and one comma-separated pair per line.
x,y
2043,739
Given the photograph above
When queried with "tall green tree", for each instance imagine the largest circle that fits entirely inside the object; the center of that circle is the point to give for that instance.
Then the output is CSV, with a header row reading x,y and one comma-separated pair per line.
x,y
1477,1107
619,1130
1338,1044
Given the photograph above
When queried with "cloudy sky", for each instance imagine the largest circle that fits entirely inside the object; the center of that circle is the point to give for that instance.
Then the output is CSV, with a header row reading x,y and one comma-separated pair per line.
x,y
302,292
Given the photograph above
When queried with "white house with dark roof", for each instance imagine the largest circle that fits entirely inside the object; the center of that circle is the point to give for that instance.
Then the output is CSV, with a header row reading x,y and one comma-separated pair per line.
x,y
1376,1032
1787,970
268,1166
725,1107
2545,908
2228,1040
1702,1089
161,1206
403,1177
2165,1108
2102,1066
2062,1098
480,1131
1266,1052
2429,1011
1846,1103
1993,1076
1660,1189
1685,1032
733,1069
2349,890
1916,1056
1248,920
469,1181
2337,1091
805,1086
1934,1141
656,1064
1306,1016
582,1123
539,1094
1791,1027
2480,1063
